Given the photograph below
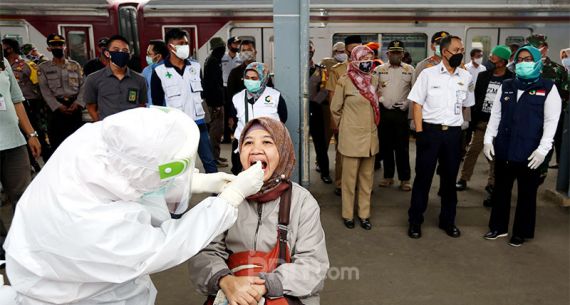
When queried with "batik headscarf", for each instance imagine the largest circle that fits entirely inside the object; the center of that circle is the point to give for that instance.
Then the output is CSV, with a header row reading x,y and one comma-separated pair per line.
x,y
262,73
363,80
278,182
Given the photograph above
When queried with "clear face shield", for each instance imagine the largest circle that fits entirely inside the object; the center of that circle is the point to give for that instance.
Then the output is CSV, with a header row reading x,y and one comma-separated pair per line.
x,y
177,176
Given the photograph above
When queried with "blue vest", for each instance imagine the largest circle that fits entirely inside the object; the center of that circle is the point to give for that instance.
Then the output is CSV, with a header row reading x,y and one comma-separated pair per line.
x,y
522,121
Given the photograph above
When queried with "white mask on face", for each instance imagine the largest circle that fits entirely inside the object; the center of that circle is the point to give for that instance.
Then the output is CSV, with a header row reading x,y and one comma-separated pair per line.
x,y
342,57
478,60
182,51
247,56
566,62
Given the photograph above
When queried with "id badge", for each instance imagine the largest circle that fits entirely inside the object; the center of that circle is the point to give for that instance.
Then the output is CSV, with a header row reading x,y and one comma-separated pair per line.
x,y
458,107
3,104
133,96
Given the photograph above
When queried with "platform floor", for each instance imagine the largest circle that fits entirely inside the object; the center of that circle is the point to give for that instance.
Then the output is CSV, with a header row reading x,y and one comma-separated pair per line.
x,y
384,266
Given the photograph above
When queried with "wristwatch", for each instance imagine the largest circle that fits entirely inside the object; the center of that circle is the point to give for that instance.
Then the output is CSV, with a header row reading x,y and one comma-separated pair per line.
x,y
33,135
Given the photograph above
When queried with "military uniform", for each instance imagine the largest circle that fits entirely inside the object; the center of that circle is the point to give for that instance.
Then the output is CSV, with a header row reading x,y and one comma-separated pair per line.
x,y
26,73
60,85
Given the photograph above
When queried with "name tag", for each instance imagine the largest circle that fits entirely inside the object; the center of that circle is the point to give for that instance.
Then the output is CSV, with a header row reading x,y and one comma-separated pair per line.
x,y
133,95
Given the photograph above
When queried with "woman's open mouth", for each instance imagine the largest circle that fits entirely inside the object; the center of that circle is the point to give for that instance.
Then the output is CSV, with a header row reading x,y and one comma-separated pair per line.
x,y
263,163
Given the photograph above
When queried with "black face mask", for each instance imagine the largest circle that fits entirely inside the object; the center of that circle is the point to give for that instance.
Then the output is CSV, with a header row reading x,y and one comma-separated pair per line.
x,y
489,65
455,60
235,50
365,66
395,60
57,53
121,59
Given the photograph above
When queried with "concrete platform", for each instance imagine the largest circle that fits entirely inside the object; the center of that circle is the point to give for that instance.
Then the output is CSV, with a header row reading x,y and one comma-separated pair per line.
x,y
384,266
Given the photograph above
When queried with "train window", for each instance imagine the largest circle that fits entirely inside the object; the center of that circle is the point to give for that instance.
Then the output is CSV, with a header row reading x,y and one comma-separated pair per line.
x,y
77,46
16,37
415,43
520,40
482,42
128,27
366,37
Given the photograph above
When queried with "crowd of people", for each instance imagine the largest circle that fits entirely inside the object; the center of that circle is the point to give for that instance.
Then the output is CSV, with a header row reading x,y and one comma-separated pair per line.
x,y
508,104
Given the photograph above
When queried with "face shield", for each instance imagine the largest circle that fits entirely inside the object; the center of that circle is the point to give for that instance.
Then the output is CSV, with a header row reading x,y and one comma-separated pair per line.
x,y
177,178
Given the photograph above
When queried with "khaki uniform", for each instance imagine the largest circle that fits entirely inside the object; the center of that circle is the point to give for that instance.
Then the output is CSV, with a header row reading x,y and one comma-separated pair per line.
x,y
60,85
353,115
334,74
26,73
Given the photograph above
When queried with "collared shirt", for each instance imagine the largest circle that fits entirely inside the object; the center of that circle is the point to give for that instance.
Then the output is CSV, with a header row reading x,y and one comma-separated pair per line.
x,y
10,94
552,108
474,71
113,95
228,64
443,95
26,73
147,73
60,81
395,84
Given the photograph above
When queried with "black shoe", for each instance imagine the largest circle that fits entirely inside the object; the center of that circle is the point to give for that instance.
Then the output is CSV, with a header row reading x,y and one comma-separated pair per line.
x,y
461,185
365,224
516,241
222,159
489,189
415,231
492,235
451,230
488,203
349,223
326,179
221,164
337,191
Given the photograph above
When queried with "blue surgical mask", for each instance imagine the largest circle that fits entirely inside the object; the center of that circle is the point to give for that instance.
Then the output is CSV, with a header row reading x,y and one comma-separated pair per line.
x,y
121,59
438,50
251,85
527,70
149,60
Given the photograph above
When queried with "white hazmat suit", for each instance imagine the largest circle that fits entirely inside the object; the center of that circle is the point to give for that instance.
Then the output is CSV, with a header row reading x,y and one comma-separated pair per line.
x,y
94,223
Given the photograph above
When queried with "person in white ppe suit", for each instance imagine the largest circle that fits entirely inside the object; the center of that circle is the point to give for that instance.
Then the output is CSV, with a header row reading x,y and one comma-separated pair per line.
x,y
95,222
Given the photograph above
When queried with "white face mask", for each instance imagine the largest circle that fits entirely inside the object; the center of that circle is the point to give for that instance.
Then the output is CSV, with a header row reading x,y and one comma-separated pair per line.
x,y
566,62
247,55
342,57
182,51
478,60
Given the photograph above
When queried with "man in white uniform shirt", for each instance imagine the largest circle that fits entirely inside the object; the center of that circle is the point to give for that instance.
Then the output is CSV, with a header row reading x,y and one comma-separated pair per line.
x,y
439,96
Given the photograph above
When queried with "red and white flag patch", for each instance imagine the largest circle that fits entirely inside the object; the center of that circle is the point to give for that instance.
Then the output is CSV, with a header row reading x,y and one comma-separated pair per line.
x,y
541,92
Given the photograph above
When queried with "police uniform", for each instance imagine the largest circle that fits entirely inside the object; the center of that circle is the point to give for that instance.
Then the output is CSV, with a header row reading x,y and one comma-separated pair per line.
x,y
26,73
60,86
442,95
395,85
181,89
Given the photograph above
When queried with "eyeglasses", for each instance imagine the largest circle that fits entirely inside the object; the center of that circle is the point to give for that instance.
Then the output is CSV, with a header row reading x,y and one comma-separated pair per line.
x,y
525,59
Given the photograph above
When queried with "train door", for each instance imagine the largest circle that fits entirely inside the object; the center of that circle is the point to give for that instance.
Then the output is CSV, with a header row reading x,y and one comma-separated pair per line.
x,y
79,42
193,37
487,38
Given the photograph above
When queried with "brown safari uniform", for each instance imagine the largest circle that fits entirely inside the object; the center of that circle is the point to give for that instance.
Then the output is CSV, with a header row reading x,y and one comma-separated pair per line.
x,y
358,143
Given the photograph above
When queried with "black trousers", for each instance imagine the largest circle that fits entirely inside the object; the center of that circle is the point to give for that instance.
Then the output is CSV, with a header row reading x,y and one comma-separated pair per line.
x,y
34,111
435,145
227,110
236,163
527,184
317,131
61,126
395,138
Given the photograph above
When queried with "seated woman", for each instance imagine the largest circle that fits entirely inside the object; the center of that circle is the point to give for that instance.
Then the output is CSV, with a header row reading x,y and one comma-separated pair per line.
x,y
256,100
249,261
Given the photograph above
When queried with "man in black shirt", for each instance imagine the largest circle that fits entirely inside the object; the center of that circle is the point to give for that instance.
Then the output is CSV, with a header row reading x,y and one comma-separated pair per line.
x,y
98,63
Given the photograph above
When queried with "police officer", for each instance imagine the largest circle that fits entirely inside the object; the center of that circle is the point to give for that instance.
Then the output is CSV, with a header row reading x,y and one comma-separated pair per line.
x,y
559,75
395,79
60,82
519,136
176,83
335,73
439,95
32,54
26,73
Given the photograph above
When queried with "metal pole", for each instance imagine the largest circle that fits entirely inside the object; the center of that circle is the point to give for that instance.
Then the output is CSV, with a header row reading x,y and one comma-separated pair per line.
x,y
291,28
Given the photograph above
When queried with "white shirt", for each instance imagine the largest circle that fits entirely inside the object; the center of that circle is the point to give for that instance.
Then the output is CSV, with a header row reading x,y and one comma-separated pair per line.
x,y
552,109
265,106
228,64
474,70
443,95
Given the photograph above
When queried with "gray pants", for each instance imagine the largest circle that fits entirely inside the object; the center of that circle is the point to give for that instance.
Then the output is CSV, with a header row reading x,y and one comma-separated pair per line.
x,y
15,175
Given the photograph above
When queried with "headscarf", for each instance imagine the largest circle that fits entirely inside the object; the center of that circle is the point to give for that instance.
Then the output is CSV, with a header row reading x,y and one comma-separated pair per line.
x,y
262,73
522,83
278,182
362,80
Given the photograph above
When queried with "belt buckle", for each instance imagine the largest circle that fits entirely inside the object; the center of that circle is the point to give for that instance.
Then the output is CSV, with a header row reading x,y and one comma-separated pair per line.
x,y
444,127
